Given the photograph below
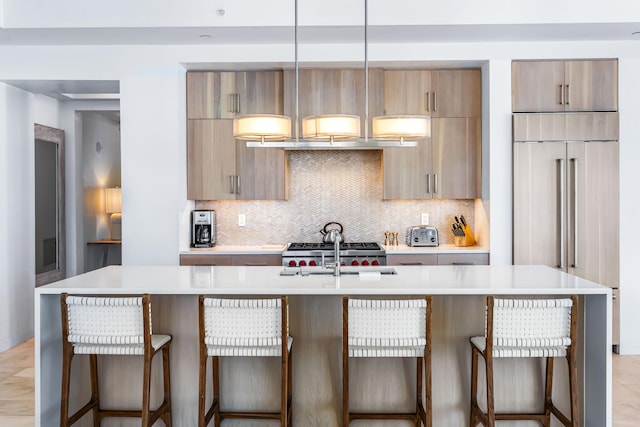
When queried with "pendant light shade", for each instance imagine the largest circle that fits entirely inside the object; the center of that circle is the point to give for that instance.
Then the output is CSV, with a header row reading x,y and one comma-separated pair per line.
x,y
338,127
401,127
262,127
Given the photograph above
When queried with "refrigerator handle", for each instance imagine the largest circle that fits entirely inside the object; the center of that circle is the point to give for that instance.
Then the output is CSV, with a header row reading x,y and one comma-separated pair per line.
x,y
561,212
575,213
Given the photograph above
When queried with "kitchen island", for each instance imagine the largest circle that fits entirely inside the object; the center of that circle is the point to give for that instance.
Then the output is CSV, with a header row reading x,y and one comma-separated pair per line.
x,y
316,325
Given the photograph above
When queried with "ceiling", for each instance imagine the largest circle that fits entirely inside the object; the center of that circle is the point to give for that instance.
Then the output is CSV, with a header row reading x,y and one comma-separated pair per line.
x,y
95,90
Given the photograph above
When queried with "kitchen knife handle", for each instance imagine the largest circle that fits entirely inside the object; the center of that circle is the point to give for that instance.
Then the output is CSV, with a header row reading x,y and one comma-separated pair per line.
x,y
575,212
231,184
428,96
435,102
238,184
567,94
561,211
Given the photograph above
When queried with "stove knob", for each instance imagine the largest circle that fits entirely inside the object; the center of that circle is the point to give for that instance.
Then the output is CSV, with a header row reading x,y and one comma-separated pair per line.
x,y
375,262
312,263
355,262
365,262
292,263
343,263
302,263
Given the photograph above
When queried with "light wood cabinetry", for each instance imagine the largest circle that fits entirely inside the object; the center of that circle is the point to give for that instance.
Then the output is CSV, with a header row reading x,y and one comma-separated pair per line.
x,y
218,166
412,259
259,260
333,91
552,86
463,259
448,164
445,166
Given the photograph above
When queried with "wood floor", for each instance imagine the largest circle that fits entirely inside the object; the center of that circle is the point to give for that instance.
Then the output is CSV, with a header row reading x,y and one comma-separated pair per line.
x,y
17,388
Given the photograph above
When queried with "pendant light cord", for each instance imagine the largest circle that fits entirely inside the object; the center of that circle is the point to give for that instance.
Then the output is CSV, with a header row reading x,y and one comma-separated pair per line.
x,y
366,73
297,121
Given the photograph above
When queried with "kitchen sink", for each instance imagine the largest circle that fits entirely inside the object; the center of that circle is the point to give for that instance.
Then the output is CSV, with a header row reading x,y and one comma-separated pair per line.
x,y
347,269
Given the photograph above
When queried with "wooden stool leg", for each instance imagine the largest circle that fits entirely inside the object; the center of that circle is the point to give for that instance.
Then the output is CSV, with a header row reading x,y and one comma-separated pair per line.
x,y
284,382
573,385
215,368
166,368
289,387
345,389
474,386
95,389
66,378
491,414
146,390
202,389
548,389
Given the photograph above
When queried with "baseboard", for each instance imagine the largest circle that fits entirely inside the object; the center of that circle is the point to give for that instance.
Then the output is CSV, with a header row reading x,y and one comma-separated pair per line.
x,y
10,342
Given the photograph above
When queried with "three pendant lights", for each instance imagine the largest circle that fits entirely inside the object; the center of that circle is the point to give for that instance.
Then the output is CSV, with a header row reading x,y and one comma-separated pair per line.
x,y
396,130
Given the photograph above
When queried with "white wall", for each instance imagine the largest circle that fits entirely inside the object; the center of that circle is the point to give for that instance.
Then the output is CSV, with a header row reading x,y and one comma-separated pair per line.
x,y
19,111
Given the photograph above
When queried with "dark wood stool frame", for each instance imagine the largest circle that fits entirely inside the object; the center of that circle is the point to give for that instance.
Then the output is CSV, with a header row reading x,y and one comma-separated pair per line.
x,y
214,412
488,419
148,416
423,413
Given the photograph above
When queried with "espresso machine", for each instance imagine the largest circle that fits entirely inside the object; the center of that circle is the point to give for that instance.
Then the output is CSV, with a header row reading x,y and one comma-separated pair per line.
x,y
203,229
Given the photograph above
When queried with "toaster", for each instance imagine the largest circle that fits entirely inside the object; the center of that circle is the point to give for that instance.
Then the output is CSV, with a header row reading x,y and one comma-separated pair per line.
x,y
422,235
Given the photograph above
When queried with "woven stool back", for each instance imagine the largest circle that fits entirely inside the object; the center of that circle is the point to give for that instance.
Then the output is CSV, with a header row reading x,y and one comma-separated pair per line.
x,y
97,320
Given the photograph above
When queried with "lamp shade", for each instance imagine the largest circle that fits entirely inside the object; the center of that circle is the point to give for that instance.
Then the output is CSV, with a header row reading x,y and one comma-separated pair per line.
x,y
401,127
113,200
331,127
262,127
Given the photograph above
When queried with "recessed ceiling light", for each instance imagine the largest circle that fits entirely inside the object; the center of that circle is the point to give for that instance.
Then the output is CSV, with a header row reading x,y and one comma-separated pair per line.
x,y
205,36
636,33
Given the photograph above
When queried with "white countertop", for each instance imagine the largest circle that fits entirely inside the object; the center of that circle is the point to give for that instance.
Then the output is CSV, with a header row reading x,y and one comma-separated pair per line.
x,y
278,248
410,280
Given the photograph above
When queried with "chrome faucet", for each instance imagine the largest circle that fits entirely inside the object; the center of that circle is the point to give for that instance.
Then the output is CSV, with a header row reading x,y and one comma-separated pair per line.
x,y
336,257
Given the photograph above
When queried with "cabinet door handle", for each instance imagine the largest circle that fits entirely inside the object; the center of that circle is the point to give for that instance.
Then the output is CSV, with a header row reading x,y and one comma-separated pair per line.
x,y
232,183
435,102
575,213
435,182
428,183
232,101
567,94
428,96
238,184
411,263
255,264
237,103
561,211
561,94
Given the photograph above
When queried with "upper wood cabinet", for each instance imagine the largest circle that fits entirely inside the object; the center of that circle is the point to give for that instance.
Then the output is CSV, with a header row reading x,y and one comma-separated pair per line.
x,y
445,166
223,95
550,86
437,93
448,164
332,91
218,166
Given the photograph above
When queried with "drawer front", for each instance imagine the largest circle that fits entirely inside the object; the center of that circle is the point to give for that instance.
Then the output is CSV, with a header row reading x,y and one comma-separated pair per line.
x,y
412,259
205,259
254,260
463,259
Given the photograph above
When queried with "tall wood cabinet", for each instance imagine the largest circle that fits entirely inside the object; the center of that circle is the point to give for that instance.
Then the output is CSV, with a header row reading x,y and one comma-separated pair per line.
x,y
566,196
557,86
448,164
218,166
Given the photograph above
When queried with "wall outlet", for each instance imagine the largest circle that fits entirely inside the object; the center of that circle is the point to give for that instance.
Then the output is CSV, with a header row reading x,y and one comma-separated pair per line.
x,y
424,218
242,220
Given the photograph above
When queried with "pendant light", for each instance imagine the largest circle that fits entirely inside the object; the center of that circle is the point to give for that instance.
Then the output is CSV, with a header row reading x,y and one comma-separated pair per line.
x,y
332,130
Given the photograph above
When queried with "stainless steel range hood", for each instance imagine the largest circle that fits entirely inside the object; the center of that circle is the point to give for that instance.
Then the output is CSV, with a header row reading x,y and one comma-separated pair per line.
x,y
332,145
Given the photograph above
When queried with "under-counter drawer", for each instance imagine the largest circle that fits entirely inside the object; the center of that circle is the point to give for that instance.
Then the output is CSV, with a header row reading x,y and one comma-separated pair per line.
x,y
237,260
412,259
463,259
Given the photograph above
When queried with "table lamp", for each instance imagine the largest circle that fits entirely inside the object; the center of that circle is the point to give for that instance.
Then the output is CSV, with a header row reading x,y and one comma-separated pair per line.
x,y
113,206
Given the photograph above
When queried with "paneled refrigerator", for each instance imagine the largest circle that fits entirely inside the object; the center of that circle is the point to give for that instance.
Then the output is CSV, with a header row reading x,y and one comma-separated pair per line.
x,y
566,197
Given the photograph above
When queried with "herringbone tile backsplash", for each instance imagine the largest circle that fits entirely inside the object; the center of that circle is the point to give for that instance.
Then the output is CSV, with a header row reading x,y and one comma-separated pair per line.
x,y
326,186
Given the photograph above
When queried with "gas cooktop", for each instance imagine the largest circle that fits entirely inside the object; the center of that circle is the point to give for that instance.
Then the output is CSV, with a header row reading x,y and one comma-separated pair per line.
x,y
364,246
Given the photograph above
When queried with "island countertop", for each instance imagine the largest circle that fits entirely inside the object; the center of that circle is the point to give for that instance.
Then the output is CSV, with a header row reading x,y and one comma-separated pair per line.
x,y
409,280
316,324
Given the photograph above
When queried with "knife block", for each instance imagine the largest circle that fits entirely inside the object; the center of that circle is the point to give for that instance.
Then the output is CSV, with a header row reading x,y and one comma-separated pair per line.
x,y
467,239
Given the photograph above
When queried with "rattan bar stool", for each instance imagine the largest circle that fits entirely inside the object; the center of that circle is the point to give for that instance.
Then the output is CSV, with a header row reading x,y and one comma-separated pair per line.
x,y
526,328
112,326
243,327
388,328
